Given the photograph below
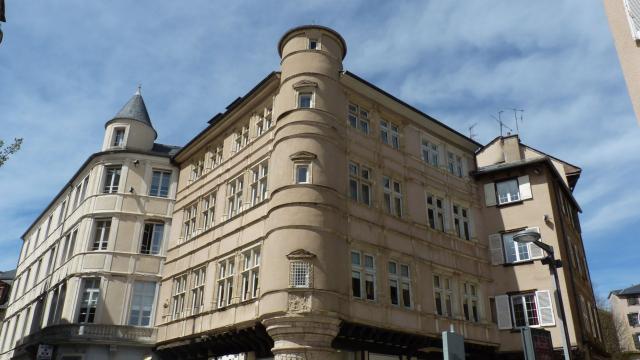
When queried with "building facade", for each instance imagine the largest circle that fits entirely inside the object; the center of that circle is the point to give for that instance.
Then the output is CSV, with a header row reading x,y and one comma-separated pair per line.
x,y
322,218
624,23
625,309
90,264
6,280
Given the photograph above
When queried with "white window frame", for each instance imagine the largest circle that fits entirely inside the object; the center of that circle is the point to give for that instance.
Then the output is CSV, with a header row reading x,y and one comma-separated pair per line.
x,y
303,94
401,280
461,222
156,238
190,216
250,275
225,282
259,175
365,273
302,164
471,302
118,141
112,177
101,233
89,297
163,176
300,274
455,164
217,155
527,322
178,297
436,215
390,134
198,281
430,152
235,190
141,302
393,201
443,289
508,197
207,210
361,177
241,138
358,118
311,42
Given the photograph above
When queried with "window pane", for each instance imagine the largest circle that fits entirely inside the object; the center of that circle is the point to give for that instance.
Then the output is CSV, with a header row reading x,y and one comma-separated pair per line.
x,y
355,284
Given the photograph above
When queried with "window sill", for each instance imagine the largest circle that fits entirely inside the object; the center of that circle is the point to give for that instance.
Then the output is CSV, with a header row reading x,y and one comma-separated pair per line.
x,y
517,202
525,262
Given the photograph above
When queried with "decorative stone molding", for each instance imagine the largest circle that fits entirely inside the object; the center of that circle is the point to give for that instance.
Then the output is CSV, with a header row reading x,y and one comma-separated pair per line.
x,y
305,337
305,84
303,156
299,303
300,254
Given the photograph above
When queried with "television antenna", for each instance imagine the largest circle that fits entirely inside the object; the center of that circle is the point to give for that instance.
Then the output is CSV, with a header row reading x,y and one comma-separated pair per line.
x,y
502,124
515,116
471,133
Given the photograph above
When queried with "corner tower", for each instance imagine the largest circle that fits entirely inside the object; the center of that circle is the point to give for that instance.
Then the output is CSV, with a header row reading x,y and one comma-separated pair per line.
x,y
307,227
130,128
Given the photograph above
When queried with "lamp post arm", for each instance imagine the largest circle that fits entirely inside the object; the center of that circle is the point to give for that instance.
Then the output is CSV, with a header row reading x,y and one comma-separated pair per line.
x,y
547,248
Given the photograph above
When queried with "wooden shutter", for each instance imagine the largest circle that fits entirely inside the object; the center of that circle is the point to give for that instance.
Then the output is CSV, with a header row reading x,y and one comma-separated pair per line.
x,y
490,194
535,251
524,187
503,312
545,308
495,249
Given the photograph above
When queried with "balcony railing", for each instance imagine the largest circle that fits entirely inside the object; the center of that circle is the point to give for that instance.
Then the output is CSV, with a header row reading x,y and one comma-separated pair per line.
x,y
98,333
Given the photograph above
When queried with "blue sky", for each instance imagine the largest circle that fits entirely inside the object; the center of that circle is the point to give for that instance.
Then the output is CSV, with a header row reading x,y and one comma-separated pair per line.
x,y
68,66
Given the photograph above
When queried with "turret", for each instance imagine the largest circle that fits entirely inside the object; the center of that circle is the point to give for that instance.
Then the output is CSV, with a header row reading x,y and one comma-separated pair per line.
x,y
130,128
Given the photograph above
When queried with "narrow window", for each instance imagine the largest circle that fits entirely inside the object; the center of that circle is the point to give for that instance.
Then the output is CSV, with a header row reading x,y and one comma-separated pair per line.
x,y
178,298
152,238
234,197
85,184
72,244
305,100
250,273
208,210
111,179
363,275
435,212
392,196
300,274
314,44
197,289
443,295
63,208
259,182
360,183
189,221
525,310
515,251
358,118
226,270
197,169
216,156
101,235
302,173
160,181
470,302
118,137
241,138
393,283
461,221
89,300
144,293
52,259
430,153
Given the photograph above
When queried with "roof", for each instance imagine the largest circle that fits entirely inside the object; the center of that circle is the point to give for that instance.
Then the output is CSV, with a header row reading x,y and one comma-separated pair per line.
x,y
305,27
8,275
631,290
134,109
165,150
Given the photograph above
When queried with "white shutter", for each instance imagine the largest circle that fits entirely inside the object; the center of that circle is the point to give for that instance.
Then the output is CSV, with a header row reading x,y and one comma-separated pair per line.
x,y
545,308
490,194
495,249
503,312
525,187
535,251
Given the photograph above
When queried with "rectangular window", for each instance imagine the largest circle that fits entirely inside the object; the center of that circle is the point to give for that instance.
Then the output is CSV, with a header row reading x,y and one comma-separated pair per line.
x,y
160,181
61,211
152,238
52,259
197,169
189,221
302,173
226,270
208,210
89,300
360,183
633,319
525,310
76,199
216,156
359,118
435,212
72,244
111,179
515,251
234,196
443,292
263,122
241,138
430,153
300,274
454,164
363,276
85,185
144,292
399,284
101,235
392,196
470,302
178,298
389,134
197,290
314,44
259,182
305,100
250,273
118,137
461,222
508,191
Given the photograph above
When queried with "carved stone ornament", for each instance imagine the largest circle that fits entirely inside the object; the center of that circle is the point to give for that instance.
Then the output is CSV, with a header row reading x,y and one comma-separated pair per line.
x,y
300,254
302,156
305,84
299,303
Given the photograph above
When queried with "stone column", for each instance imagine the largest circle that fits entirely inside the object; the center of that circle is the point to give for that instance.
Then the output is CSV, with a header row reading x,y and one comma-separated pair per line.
x,y
303,337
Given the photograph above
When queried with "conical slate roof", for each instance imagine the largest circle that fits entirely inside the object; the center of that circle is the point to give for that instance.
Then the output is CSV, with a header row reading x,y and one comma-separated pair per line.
x,y
135,109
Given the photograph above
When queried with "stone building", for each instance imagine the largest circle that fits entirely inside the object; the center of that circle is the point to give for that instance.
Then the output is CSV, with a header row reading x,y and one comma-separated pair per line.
x,y
6,280
90,264
322,218
625,309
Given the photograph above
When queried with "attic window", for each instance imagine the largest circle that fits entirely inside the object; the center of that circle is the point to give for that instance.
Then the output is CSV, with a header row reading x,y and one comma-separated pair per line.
x,y
314,44
118,137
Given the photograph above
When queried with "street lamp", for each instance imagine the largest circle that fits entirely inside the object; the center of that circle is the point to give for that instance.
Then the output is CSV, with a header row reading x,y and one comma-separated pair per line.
x,y
530,236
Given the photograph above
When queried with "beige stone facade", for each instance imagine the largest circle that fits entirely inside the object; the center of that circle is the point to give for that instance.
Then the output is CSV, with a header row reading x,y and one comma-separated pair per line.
x,y
624,23
625,309
89,269
322,218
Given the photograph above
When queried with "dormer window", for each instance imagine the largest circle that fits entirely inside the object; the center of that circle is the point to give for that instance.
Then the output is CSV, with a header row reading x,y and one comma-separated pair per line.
x,y
118,137
314,44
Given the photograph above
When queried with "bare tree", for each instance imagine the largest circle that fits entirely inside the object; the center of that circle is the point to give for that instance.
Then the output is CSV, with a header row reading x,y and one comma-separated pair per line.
x,y
612,329
8,150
